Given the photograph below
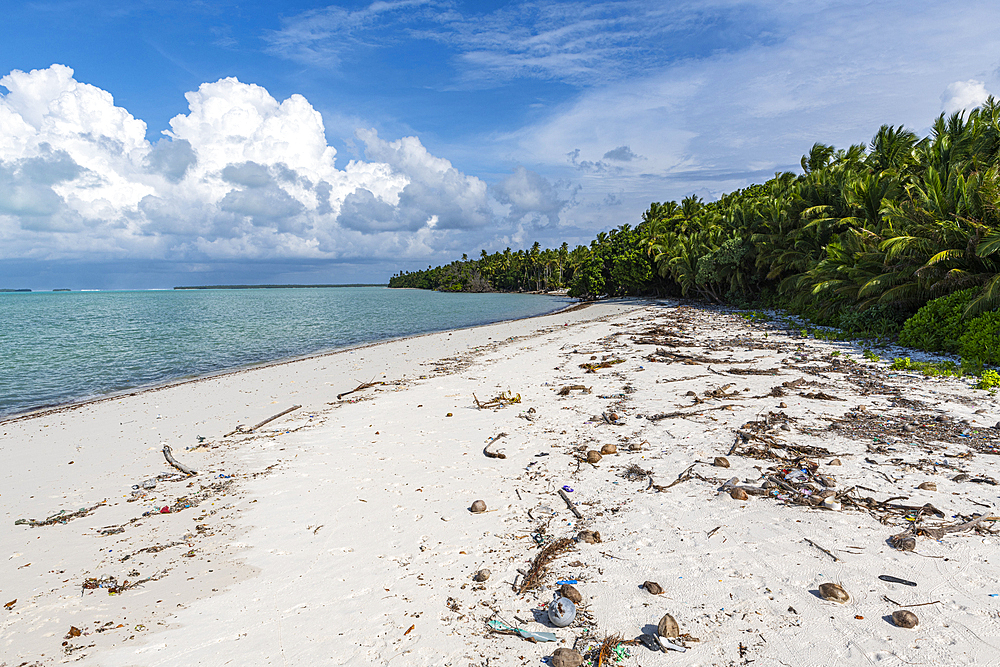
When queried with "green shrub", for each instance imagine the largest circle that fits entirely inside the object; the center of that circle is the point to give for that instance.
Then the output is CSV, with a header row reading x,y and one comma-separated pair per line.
x,y
930,369
878,321
938,326
870,356
981,340
990,381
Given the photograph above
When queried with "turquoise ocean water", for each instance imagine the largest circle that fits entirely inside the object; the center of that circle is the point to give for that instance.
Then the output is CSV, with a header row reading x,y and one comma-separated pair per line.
x,y
60,347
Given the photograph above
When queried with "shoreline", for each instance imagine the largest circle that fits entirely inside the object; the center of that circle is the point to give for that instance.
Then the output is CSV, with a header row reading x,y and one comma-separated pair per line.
x,y
166,384
340,533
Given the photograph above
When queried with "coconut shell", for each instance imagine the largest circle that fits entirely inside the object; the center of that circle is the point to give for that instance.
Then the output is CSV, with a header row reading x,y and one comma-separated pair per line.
x,y
593,456
738,494
589,536
478,507
928,486
481,575
721,462
652,587
667,627
569,592
905,619
834,462
609,449
834,593
903,542
566,657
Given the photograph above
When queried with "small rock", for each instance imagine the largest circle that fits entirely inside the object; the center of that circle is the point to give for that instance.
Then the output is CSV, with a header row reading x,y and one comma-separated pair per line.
x,y
569,592
835,462
652,587
833,593
593,456
905,619
738,494
609,449
667,627
481,575
566,657
928,486
589,536
721,462
478,507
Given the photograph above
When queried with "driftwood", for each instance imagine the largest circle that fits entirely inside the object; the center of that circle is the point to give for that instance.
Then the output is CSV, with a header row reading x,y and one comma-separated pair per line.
x,y
360,387
821,549
240,429
570,505
492,454
172,461
573,387
687,413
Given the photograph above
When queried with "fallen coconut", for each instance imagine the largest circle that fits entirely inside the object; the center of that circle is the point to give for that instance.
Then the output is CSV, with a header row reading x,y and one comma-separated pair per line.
x,y
589,536
478,507
569,592
928,486
833,593
738,494
652,587
667,627
721,462
566,657
481,575
609,449
593,456
905,619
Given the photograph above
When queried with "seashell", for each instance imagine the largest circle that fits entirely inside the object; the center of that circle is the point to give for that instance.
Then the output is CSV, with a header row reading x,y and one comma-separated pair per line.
x,y
593,456
566,657
478,507
589,536
569,592
782,405
738,494
832,503
481,575
562,611
721,462
652,587
834,462
928,486
833,593
905,619
667,627
609,449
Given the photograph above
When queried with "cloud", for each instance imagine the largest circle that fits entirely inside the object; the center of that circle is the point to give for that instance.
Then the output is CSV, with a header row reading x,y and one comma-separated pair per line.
x,y
963,96
240,175
621,154
529,194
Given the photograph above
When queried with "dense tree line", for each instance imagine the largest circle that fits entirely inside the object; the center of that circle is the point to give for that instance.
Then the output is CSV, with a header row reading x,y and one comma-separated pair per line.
x,y
862,239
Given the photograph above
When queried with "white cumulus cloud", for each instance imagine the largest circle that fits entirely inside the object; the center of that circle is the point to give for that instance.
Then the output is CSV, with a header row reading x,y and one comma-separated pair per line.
x,y
963,96
241,175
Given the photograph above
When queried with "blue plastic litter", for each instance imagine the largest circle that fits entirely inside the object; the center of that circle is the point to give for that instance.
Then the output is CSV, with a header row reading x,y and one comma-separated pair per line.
x,y
567,489
565,581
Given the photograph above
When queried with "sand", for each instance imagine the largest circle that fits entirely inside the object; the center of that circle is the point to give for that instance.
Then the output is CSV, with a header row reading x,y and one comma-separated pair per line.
x,y
340,533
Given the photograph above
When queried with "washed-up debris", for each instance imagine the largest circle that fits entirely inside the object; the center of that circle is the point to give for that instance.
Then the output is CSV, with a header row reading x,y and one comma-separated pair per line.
x,y
566,657
905,619
361,387
896,580
564,391
501,400
502,627
593,456
720,462
687,413
239,428
820,396
62,516
826,551
609,449
652,587
561,611
667,627
493,454
478,507
481,575
539,565
634,473
569,592
110,583
834,593
593,367
589,536
569,503
172,461
10,605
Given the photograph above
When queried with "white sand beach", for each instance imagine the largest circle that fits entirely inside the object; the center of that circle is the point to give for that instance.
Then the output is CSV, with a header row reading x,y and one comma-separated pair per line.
x,y
340,533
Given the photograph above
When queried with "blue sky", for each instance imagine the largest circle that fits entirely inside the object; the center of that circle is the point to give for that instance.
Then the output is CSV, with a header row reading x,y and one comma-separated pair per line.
x,y
148,144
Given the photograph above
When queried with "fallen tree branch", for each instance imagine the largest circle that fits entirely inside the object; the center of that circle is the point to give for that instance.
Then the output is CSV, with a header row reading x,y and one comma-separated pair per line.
x,y
360,387
492,454
570,505
683,413
172,461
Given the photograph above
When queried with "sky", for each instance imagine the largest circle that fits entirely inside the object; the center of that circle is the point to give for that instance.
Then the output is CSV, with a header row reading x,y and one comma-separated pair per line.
x,y
152,144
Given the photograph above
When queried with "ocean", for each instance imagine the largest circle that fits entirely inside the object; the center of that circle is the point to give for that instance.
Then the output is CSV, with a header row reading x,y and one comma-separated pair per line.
x,y
62,347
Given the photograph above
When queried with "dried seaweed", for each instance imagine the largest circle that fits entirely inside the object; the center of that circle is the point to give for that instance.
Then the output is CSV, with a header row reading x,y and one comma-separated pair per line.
x,y
502,400
573,387
61,516
592,367
549,553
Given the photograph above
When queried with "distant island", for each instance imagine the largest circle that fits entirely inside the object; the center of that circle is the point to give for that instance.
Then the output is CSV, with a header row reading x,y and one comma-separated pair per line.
x,y
278,286
62,289
5,289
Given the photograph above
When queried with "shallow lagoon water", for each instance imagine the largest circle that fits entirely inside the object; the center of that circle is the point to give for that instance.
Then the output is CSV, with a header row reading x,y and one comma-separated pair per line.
x,y
59,347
